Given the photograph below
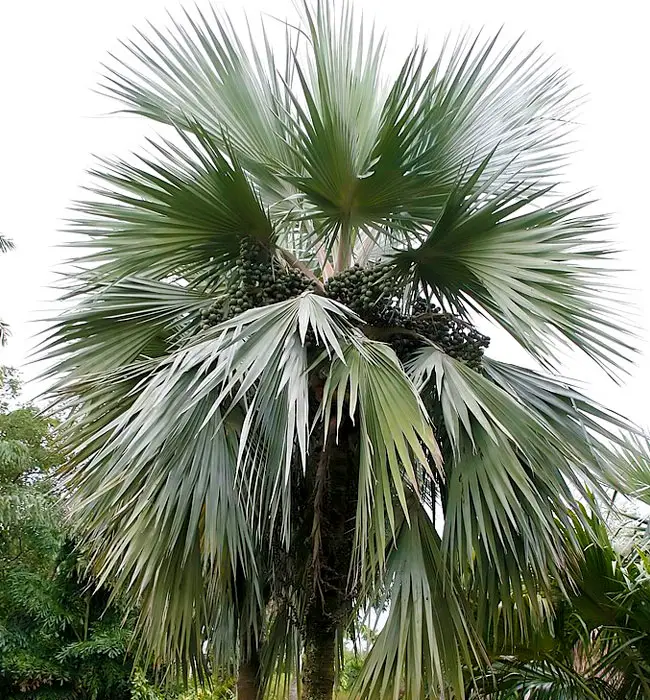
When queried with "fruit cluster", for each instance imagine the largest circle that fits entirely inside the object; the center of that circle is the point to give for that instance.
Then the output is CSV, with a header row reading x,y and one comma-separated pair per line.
x,y
451,334
367,291
376,298
258,279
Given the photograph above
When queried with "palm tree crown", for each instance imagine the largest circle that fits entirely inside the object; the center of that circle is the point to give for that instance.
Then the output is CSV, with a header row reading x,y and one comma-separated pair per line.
x,y
275,378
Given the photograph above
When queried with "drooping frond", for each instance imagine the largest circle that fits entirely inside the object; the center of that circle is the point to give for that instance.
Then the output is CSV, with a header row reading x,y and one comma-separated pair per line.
x,y
395,437
516,468
599,437
241,410
181,530
427,638
282,652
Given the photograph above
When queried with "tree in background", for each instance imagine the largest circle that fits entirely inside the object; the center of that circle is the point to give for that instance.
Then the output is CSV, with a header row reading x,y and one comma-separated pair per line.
x,y
6,245
272,365
59,637
596,642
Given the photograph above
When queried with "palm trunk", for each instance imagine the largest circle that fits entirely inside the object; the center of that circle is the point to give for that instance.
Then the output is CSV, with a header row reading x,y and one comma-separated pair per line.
x,y
318,669
324,506
332,485
248,679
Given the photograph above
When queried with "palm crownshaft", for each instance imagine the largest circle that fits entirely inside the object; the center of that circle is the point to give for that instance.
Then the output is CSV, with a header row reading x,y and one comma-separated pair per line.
x,y
272,327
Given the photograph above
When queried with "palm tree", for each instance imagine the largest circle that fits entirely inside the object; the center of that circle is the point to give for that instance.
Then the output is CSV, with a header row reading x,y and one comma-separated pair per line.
x,y
596,645
282,411
6,244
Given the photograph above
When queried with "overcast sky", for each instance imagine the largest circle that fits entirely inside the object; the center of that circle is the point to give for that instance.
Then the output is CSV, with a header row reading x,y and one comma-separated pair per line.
x,y
51,123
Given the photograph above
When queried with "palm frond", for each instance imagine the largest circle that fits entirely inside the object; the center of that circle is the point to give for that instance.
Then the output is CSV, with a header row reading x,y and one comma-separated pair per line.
x,y
114,337
490,97
6,244
202,536
183,211
480,98
282,651
509,485
600,437
546,680
538,269
5,333
204,73
427,638
395,436
338,112
238,396
115,324
634,467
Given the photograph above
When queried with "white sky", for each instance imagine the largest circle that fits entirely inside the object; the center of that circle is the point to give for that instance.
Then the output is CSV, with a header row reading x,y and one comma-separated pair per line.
x,y
51,122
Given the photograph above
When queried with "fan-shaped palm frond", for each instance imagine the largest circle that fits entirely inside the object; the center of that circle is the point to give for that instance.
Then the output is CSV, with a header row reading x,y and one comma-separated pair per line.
x,y
183,213
426,639
546,680
6,244
395,436
512,435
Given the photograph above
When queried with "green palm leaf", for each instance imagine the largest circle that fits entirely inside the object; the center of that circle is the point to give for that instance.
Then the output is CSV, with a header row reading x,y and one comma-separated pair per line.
x,y
395,436
549,680
185,211
206,74
116,324
427,638
527,264
241,410
195,551
597,435
518,459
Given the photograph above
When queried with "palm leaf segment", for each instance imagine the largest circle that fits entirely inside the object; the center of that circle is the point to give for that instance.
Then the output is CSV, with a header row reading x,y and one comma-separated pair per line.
x,y
6,244
287,272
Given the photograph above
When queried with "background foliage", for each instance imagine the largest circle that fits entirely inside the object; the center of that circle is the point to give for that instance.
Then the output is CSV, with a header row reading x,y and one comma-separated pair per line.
x,y
59,638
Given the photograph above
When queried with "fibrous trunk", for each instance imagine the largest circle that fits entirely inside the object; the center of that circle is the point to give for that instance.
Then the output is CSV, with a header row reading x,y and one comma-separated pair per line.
x,y
332,482
318,677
